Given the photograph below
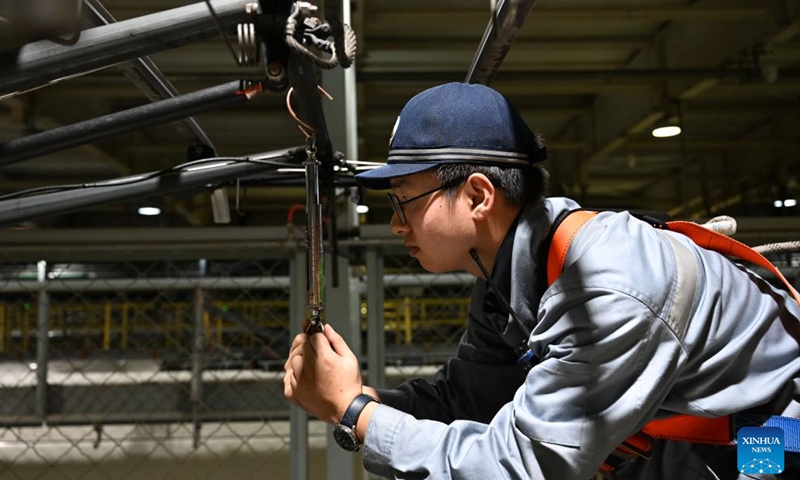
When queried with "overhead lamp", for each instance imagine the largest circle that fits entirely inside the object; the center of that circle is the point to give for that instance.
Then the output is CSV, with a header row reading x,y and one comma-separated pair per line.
x,y
149,211
666,131
362,209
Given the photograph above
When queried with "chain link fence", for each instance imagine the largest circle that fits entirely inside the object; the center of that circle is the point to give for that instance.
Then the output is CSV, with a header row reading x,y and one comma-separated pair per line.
x,y
425,316
156,370
168,369
144,370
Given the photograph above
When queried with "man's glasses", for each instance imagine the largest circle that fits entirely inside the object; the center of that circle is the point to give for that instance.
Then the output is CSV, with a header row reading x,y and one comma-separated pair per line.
x,y
397,204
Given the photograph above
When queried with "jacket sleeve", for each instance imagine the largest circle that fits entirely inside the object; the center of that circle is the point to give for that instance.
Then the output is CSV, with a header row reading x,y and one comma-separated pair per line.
x,y
607,362
480,379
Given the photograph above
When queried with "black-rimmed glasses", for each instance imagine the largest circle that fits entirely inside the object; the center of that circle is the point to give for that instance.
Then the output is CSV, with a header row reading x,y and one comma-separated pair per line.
x,y
397,204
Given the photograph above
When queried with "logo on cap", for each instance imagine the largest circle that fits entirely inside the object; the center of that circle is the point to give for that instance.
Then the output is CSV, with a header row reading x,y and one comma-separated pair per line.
x,y
394,130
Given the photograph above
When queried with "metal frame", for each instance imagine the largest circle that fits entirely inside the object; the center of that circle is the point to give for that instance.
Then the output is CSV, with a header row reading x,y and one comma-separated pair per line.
x,y
507,20
148,78
139,186
42,63
175,108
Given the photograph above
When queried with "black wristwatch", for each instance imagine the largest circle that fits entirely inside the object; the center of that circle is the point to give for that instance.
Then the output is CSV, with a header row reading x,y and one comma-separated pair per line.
x,y
345,431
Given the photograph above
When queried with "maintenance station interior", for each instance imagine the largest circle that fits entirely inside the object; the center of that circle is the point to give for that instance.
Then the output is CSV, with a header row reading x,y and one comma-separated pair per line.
x,y
160,213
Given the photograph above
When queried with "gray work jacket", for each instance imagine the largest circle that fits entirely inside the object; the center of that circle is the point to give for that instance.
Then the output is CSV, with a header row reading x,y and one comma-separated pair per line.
x,y
641,324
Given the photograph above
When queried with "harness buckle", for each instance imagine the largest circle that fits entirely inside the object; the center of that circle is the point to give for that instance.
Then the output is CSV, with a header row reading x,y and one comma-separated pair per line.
x,y
526,360
635,446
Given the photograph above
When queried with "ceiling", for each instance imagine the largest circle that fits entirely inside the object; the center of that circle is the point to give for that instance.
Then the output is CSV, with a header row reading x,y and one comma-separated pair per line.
x,y
593,76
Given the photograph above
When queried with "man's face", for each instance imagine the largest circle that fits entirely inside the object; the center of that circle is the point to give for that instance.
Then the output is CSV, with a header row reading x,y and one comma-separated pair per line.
x,y
438,231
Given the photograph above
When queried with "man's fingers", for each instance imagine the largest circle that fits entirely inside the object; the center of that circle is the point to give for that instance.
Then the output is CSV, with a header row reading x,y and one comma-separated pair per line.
x,y
311,346
296,350
297,368
336,341
299,339
290,387
288,390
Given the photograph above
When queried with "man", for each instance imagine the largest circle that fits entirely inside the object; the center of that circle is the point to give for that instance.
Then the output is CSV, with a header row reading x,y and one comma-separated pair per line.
x,y
641,324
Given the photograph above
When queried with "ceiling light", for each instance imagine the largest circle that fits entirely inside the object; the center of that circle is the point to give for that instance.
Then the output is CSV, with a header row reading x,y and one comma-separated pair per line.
x,y
149,211
666,131
790,202
362,209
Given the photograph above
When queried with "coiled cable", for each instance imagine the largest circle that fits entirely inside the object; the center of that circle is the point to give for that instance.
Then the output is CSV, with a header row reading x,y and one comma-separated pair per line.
x,y
311,32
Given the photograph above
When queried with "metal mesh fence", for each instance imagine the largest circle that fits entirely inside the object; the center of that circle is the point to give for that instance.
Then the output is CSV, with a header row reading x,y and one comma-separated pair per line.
x,y
153,370
133,370
425,316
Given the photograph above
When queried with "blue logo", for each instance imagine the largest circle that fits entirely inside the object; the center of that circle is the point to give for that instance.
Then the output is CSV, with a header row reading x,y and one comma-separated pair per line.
x,y
759,450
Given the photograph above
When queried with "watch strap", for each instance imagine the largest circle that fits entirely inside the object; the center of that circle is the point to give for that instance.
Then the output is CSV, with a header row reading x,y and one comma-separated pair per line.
x,y
354,410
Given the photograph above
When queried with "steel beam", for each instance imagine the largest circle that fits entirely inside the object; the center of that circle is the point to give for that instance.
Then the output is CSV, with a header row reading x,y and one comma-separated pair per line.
x,y
45,62
147,77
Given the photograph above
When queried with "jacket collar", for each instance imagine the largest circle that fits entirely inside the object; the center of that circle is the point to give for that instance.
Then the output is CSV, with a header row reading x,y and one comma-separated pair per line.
x,y
524,284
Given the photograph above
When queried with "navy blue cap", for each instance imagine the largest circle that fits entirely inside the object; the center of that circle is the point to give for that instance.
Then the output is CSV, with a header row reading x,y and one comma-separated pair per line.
x,y
455,123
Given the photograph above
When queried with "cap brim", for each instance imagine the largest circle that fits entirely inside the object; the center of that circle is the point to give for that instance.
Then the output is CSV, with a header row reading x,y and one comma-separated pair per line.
x,y
379,178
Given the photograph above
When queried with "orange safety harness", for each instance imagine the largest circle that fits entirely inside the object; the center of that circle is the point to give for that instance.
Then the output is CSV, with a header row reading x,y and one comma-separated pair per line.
x,y
684,428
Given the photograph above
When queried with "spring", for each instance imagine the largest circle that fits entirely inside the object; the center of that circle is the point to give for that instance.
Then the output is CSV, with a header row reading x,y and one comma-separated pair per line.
x,y
249,53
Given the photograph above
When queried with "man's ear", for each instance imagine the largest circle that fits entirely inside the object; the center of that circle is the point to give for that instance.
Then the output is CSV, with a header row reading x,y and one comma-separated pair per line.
x,y
481,194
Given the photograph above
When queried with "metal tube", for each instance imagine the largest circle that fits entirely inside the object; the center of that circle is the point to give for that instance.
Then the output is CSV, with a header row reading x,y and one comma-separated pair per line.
x,y
42,342
314,236
376,339
2,329
298,418
306,97
148,78
80,133
107,326
197,359
44,62
595,80
129,188
496,42
271,282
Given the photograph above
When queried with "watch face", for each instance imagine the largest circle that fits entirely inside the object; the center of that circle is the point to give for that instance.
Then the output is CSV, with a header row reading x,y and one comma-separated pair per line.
x,y
345,437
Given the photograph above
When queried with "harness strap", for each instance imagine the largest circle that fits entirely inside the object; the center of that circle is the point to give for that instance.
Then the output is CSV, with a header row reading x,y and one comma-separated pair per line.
x,y
684,428
728,246
562,236
722,430
709,239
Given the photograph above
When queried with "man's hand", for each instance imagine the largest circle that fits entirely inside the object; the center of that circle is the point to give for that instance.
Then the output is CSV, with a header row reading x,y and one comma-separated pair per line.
x,y
322,375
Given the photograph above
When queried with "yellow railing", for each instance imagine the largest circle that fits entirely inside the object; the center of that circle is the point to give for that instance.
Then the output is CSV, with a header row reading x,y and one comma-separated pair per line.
x,y
110,325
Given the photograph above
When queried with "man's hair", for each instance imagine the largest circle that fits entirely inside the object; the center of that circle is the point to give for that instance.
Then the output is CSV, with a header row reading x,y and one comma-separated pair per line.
x,y
519,185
